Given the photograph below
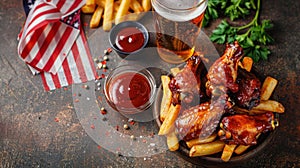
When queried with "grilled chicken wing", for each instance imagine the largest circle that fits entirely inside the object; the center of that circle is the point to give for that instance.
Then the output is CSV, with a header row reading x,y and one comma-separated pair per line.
x,y
244,129
187,81
221,77
190,123
223,73
248,95
200,121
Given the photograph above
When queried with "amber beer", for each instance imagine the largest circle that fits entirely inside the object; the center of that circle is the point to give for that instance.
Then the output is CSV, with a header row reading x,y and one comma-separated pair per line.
x,y
178,24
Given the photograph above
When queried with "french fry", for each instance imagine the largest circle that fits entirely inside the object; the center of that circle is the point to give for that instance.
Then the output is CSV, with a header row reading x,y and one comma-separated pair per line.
x,y
174,71
88,8
114,11
172,141
116,6
227,152
136,6
268,88
90,2
247,63
264,106
96,17
169,121
241,149
166,98
270,105
198,141
131,17
207,148
146,4
108,12
100,3
240,64
124,6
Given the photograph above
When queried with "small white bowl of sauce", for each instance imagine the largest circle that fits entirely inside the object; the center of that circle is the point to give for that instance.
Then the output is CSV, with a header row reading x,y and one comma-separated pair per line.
x,y
128,37
130,89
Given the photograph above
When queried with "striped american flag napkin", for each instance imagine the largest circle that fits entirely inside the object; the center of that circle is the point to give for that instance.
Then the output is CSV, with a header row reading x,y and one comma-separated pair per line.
x,y
53,44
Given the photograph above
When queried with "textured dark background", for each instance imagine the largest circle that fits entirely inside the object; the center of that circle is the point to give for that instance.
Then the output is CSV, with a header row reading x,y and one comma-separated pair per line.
x,y
29,136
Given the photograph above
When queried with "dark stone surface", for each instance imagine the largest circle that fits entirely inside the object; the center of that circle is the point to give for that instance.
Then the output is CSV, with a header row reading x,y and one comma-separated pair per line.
x,y
30,136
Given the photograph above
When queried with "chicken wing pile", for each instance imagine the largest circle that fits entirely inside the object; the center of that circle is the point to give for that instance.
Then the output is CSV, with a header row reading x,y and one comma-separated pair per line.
x,y
220,91
202,120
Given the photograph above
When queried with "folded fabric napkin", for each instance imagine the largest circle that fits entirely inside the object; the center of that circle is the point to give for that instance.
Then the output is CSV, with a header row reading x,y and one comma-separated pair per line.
x,y
53,44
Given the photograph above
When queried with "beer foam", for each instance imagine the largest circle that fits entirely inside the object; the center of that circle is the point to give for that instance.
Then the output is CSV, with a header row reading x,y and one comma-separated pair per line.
x,y
167,10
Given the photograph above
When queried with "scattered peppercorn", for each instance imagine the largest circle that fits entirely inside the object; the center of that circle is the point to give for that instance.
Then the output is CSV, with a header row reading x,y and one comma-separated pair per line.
x,y
126,126
105,58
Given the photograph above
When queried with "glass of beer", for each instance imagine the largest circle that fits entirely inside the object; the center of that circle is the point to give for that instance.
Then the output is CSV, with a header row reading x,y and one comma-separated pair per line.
x,y
177,24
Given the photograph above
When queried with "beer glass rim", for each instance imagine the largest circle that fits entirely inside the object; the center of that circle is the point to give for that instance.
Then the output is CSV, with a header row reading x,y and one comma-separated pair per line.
x,y
176,9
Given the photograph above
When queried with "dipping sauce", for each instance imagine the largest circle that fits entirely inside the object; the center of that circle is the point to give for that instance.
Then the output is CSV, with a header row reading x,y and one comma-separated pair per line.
x,y
130,39
129,90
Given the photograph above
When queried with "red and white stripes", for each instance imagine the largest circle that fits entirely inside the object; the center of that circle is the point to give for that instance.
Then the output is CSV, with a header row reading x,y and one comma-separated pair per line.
x,y
77,68
51,43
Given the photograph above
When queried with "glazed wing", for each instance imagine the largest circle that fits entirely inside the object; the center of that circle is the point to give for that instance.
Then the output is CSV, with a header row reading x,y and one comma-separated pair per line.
x,y
202,122
199,121
223,73
187,81
190,123
243,129
248,95
221,79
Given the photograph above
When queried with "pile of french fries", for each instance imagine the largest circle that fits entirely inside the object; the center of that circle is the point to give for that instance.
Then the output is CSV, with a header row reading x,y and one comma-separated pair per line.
x,y
114,11
212,144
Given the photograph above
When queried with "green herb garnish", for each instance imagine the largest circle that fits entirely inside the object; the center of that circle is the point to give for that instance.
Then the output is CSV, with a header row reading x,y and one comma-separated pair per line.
x,y
252,37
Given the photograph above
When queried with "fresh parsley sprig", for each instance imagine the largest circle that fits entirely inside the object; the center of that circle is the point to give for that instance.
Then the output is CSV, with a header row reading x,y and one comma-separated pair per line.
x,y
253,37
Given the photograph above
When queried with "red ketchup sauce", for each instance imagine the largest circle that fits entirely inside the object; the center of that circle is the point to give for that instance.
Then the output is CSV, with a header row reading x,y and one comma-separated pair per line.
x,y
130,39
129,90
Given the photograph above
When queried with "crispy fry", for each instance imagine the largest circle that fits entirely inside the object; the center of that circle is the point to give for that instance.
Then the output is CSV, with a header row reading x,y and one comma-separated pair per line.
x,y
96,17
100,3
227,152
136,6
268,88
114,11
116,6
241,149
166,99
169,121
172,141
124,6
90,2
207,148
247,63
263,106
132,17
240,64
270,105
108,11
146,4
174,71
198,141
88,8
